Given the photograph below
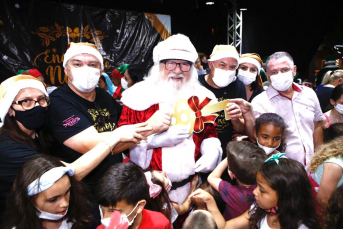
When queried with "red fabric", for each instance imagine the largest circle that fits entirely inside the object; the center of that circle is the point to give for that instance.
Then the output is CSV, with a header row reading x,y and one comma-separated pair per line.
x,y
154,220
33,72
129,116
117,74
101,227
118,92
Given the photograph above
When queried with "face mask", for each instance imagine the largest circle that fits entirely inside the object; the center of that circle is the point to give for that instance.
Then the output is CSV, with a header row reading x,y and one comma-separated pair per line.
x,y
267,149
223,78
133,219
124,218
50,216
124,83
282,81
33,119
85,78
246,77
339,108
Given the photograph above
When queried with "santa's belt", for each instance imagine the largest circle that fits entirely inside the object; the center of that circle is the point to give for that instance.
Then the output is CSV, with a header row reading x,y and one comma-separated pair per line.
x,y
179,184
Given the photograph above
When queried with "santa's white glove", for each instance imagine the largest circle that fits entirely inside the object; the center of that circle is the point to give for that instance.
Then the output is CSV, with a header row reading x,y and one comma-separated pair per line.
x,y
173,136
211,152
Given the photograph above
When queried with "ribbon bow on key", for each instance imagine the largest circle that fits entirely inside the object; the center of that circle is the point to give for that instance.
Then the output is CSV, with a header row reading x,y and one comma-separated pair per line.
x,y
193,103
276,157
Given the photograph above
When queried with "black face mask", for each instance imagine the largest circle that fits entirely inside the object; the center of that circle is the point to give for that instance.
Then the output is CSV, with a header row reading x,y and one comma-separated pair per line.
x,y
33,119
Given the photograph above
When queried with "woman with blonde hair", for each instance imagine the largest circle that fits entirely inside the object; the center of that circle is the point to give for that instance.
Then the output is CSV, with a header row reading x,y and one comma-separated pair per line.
x,y
326,173
330,80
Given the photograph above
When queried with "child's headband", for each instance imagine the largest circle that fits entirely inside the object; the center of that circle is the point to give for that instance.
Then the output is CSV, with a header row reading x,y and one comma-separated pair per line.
x,y
154,189
48,179
276,157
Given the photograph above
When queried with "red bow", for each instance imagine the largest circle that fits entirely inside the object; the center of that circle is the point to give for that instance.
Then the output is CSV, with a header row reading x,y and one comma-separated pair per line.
x,y
193,103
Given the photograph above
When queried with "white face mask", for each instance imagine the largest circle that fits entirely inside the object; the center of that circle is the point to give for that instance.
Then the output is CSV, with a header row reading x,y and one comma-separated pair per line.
x,y
50,216
267,149
223,78
123,218
169,185
339,108
124,83
282,81
246,77
85,78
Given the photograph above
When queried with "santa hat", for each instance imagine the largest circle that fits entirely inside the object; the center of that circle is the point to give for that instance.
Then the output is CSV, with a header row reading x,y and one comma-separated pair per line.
x,y
224,51
82,48
119,72
175,47
32,72
255,59
10,88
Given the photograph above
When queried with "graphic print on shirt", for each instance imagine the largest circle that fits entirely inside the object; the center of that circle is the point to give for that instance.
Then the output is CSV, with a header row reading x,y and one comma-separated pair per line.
x,y
101,119
222,123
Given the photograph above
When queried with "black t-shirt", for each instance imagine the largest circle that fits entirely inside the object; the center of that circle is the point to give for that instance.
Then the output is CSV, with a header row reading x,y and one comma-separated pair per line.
x,y
324,95
69,114
12,157
234,90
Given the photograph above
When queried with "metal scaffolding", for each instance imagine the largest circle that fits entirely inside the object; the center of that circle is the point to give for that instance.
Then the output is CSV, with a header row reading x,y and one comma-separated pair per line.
x,y
235,27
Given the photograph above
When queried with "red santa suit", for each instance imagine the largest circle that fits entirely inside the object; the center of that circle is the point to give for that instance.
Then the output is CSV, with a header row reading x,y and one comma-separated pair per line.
x,y
140,102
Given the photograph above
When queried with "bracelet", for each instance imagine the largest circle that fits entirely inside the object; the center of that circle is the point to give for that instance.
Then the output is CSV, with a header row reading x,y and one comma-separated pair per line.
x,y
111,148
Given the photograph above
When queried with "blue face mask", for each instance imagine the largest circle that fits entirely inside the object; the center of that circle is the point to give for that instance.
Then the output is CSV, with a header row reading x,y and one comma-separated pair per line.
x,y
33,119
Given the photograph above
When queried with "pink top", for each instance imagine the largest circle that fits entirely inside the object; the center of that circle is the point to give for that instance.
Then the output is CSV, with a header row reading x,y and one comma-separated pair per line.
x,y
299,114
327,119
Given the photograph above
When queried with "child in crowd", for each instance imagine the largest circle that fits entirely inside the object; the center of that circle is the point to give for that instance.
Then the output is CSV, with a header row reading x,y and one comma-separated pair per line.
x,y
283,198
46,195
200,219
242,162
333,131
269,132
334,211
124,188
326,172
159,186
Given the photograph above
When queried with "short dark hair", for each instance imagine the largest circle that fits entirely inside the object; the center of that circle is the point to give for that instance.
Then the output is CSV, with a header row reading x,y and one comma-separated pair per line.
x,y
333,131
337,92
244,160
21,211
136,72
123,181
198,219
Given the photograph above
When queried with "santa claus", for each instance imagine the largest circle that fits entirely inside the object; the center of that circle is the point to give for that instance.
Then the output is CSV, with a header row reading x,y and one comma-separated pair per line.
x,y
174,151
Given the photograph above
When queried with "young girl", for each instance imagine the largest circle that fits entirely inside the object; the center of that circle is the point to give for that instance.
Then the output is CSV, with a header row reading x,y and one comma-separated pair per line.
x,y
335,114
269,131
283,198
326,172
46,195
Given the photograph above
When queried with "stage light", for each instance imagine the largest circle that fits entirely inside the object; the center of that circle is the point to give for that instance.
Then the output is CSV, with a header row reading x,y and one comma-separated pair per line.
x,y
209,3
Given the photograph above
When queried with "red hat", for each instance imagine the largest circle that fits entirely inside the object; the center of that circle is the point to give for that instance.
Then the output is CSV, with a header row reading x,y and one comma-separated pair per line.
x,y
32,72
117,74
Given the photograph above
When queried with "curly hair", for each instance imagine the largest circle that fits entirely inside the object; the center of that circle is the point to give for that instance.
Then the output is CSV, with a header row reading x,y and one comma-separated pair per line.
x,y
334,211
292,185
21,211
326,151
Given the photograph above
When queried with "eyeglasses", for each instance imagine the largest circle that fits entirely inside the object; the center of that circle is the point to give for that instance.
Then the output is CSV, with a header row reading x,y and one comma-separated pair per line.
x,y
28,104
171,65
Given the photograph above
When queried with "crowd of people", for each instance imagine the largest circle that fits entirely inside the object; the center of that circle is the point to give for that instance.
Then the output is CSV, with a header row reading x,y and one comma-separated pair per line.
x,y
104,151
